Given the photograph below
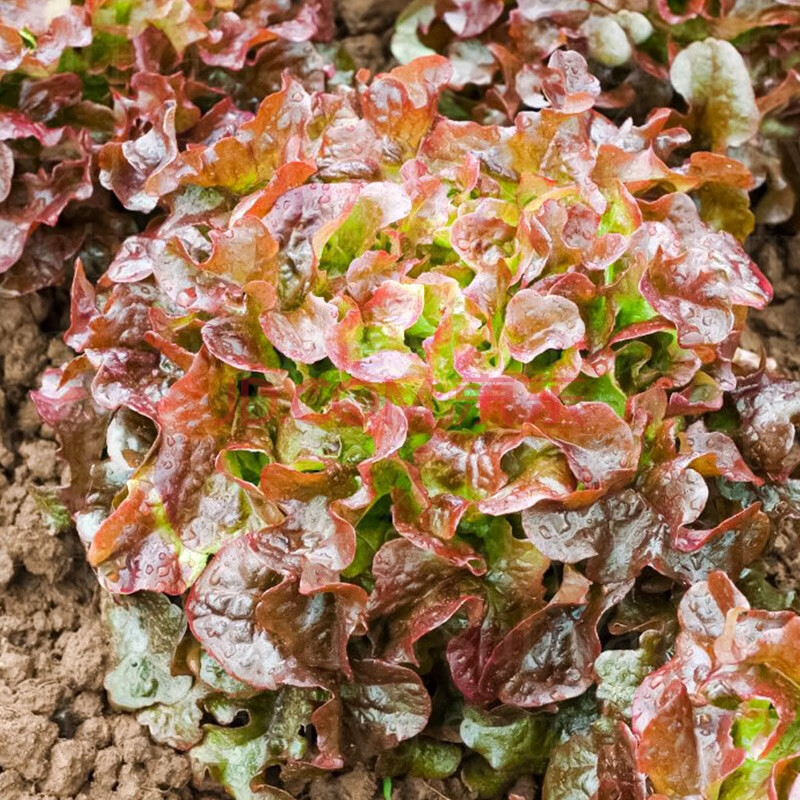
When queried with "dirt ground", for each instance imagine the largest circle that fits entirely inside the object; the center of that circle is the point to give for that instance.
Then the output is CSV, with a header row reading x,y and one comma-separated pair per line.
x,y
778,325
58,736
778,328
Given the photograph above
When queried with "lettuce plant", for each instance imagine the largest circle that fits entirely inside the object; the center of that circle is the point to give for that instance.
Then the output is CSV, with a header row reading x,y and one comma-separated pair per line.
x,y
720,717
396,438
81,82
731,65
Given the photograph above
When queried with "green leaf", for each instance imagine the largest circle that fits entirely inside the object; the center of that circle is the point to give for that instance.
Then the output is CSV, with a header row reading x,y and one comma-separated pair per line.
x,y
753,719
54,513
406,45
714,79
28,38
215,678
246,464
421,757
631,308
750,781
355,235
607,41
371,533
236,756
576,715
620,672
508,743
233,757
176,724
760,593
572,771
508,739
726,208
604,389
145,629
484,781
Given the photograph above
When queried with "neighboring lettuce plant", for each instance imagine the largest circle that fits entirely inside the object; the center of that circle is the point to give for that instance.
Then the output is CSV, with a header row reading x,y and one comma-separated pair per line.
x,y
412,419
79,82
731,64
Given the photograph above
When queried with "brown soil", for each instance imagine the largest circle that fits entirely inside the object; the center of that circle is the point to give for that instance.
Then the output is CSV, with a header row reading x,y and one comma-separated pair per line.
x,y
364,29
779,324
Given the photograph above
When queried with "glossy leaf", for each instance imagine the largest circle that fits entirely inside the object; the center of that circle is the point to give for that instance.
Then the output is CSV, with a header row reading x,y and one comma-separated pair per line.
x,y
426,426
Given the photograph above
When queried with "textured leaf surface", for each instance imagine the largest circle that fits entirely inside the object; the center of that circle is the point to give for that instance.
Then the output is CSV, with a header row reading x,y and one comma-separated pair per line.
x,y
412,418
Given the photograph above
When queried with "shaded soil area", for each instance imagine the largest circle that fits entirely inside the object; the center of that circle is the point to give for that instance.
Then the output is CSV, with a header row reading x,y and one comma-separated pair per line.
x,y
778,326
365,28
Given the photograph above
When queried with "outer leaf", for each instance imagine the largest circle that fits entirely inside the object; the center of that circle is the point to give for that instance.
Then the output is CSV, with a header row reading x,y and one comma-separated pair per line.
x,y
421,757
145,631
221,609
619,673
622,534
598,763
769,410
417,592
535,324
235,756
548,656
382,706
509,742
712,76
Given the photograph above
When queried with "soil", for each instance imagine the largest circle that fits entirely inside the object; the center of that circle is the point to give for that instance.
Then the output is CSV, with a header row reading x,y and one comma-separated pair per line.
x,y
364,30
59,738
778,326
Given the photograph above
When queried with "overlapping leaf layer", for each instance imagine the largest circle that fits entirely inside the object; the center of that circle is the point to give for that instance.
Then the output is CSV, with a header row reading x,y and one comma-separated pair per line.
x,y
81,82
396,436
726,68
